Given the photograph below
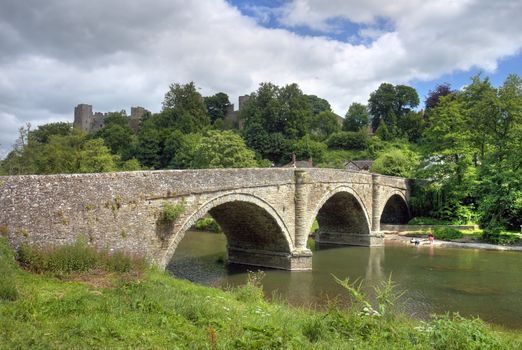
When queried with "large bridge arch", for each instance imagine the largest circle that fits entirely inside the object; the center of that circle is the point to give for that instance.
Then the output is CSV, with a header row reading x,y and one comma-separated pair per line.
x,y
395,209
256,234
343,218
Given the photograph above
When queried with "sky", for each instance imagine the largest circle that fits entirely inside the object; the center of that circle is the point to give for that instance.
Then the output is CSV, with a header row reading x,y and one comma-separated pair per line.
x,y
55,54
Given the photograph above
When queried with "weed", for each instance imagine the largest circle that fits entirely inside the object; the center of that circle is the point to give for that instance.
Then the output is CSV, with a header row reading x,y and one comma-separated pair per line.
x,y
4,230
252,291
170,212
207,224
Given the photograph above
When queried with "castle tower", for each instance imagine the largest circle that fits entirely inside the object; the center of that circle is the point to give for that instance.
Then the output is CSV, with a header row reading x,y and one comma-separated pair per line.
x,y
83,117
137,113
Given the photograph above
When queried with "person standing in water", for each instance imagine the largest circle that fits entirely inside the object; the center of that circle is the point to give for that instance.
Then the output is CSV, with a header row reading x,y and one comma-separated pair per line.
x,y
430,237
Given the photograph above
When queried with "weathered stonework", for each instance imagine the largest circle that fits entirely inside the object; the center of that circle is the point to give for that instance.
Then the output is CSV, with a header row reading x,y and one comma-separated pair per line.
x,y
266,214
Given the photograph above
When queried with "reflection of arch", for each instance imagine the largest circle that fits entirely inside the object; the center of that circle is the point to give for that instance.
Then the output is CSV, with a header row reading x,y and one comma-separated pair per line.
x,y
342,216
395,210
248,222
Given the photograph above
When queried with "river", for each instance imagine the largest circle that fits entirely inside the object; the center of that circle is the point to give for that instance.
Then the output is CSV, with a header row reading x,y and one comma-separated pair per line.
x,y
472,282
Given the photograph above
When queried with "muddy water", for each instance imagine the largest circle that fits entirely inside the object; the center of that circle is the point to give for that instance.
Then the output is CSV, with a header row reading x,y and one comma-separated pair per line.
x,y
436,280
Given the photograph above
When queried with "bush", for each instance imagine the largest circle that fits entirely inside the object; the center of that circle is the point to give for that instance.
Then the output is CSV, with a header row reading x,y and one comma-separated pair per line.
x,y
349,140
425,220
447,233
457,332
170,212
496,236
396,163
207,224
76,258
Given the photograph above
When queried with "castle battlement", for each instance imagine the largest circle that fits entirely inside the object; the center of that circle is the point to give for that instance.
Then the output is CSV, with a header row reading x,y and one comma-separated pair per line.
x,y
89,122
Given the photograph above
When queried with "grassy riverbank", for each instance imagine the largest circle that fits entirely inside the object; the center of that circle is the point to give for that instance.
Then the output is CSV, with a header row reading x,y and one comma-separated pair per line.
x,y
125,305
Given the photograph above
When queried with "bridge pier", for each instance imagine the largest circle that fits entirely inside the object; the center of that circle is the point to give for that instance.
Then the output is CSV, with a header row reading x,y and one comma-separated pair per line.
x,y
297,260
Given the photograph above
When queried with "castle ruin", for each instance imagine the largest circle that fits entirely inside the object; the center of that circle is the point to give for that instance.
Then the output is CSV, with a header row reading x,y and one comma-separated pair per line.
x,y
89,122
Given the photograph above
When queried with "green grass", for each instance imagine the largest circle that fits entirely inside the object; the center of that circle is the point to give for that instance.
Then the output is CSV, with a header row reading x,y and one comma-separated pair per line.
x,y
156,311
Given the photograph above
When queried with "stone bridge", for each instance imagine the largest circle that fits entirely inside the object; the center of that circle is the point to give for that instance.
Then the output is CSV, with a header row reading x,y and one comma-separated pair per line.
x,y
266,214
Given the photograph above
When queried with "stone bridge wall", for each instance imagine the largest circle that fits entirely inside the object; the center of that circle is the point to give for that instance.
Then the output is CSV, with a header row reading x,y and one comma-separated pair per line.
x,y
122,210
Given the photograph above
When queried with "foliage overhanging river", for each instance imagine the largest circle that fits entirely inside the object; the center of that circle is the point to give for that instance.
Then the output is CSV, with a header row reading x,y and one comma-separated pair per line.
x,y
472,282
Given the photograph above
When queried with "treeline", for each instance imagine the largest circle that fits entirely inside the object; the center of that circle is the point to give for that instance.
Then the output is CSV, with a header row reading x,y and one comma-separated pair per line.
x,y
467,143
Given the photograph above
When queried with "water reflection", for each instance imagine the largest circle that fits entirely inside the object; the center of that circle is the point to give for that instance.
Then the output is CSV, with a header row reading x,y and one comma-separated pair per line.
x,y
437,280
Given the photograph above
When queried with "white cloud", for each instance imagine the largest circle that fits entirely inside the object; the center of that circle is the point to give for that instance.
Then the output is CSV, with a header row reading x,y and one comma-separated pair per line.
x,y
117,54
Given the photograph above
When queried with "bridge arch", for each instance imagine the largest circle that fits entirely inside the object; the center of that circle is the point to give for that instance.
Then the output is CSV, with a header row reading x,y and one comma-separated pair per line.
x,y
342,216
249,223
395,209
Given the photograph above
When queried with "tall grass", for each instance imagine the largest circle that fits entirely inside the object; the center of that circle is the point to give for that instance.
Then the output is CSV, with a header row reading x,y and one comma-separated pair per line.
x,y
8,289
77,258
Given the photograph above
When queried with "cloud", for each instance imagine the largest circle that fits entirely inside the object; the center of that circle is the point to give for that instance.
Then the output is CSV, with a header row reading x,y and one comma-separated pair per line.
x,y
113,55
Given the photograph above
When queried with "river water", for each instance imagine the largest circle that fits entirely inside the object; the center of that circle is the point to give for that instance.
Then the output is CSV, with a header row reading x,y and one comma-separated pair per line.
x,y
472,282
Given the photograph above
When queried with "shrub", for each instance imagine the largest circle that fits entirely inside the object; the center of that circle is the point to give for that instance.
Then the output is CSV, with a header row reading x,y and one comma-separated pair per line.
x,y
496,236
349,140
207,224
457,332
170,212
396,162
447,233
425,220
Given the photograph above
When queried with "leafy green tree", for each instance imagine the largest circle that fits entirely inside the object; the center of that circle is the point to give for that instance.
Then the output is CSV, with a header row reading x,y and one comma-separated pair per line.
x,y
318,105
411,125
274,116
43,132
95,157
383,132
324,124
349,140
356,118
306,148
217,106
186,152
186,107
119,138
390,103
223,149
396,163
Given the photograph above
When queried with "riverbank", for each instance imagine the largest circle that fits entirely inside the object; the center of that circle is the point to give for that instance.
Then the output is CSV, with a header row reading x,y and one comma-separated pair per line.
x,y
406,239
153,310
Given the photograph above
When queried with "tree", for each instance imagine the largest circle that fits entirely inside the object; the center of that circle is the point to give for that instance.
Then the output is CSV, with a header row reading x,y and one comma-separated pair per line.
x,y
217,106
274,116
390,103
324,124
185,105
383,132
317,104
356,118
432,100
349,140
43,132
396,163
306,148
223,149
95,157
